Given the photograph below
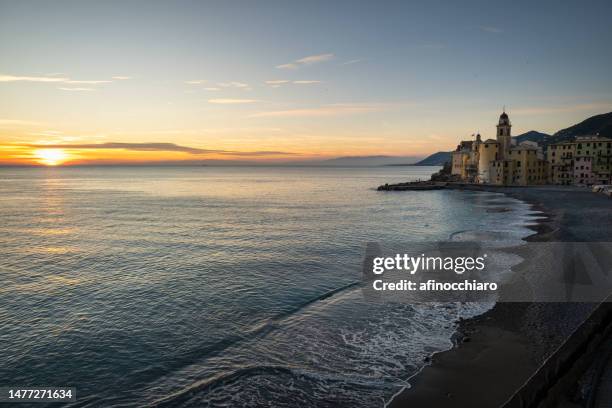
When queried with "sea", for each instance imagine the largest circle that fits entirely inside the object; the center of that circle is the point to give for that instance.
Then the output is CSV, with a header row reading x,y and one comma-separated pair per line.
x,y
222,286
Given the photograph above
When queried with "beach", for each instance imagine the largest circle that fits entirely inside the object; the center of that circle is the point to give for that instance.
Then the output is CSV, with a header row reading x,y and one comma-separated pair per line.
x,y
498,352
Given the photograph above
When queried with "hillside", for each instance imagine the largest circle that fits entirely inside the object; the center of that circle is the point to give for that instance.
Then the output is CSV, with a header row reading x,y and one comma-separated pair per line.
x,y
436,159
598,124
531,136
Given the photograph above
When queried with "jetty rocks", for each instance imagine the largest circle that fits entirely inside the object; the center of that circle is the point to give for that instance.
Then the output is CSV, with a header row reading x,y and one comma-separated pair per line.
x,y
412,186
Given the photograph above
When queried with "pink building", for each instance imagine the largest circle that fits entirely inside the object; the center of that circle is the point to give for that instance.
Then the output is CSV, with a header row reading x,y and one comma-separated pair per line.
x,y
583,173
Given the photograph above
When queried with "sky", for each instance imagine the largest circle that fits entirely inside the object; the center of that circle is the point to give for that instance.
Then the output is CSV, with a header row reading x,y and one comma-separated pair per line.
x,y
140,81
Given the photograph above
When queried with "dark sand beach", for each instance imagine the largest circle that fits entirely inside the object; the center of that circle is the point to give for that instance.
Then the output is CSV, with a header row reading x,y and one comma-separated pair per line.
x,y
498,352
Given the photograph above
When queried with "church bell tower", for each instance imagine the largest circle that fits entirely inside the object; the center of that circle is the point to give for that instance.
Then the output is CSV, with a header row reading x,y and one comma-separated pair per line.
x,y
504,137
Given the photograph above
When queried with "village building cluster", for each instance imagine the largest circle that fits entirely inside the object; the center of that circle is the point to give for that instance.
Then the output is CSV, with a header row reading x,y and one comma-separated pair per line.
x,y
586,160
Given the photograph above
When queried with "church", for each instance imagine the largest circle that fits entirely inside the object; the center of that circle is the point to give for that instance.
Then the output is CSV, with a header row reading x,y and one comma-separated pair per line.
x,y
499,161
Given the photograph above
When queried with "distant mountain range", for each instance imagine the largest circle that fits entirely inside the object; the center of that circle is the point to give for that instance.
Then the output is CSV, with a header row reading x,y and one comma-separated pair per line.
x,y
365,161
598,124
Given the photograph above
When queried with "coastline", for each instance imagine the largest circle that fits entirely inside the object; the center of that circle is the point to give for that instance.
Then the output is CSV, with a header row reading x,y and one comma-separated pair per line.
x,y
501,349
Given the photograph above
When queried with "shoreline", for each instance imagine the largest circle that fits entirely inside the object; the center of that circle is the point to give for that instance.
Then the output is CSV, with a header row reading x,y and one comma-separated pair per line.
x,y
501,349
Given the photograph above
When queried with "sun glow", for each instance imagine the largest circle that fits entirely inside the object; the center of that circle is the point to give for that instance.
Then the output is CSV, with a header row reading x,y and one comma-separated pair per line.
x,y
51,157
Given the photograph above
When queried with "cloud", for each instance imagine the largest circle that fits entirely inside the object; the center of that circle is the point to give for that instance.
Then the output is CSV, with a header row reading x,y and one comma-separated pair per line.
x,y
351,62
212,89
233,84
196,81
263,153
15,78
77,89
313,59
287,66
325,110
58,79
121,78
276,83
229,101
153,147
310,60
90,82
491,29
165,147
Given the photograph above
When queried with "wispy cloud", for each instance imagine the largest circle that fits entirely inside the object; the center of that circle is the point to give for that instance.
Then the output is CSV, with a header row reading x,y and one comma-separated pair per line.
x,y
230,101
325,110
287,66
351,62
58,79
87,82
165,147
276,83
313,59
121,78
491,29
77,89
216,87
16,78
233,84
154,147
310,60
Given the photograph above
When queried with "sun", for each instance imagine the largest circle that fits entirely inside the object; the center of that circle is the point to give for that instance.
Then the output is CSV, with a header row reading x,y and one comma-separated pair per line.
x,y
51,157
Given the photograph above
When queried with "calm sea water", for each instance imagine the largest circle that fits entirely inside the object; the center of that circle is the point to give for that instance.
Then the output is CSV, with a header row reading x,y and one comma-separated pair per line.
x,y
212,286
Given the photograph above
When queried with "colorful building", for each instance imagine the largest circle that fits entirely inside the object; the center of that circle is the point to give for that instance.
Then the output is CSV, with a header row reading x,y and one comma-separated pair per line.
x,y
584,161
